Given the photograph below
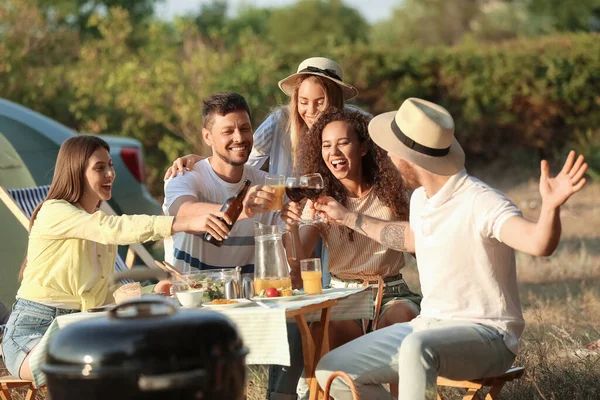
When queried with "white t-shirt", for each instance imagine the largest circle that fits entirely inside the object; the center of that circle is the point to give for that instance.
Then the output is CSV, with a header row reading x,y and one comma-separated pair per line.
x,y
466,272
238,249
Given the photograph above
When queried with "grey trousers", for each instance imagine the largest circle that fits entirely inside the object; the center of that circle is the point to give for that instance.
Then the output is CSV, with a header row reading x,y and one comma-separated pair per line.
x,y
414,354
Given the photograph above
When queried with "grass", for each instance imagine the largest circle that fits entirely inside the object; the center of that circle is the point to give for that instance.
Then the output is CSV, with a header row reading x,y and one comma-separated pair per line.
x,y
561,303
562,315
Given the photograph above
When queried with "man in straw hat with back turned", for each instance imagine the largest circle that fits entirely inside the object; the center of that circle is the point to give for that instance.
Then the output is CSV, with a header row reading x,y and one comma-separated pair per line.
x,y
464,234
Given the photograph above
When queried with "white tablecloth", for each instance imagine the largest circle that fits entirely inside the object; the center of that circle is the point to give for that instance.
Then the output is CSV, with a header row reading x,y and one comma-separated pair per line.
x,y
264,331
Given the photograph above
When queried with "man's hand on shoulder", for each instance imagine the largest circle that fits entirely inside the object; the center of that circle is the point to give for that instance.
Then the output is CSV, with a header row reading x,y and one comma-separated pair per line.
x,y
182,164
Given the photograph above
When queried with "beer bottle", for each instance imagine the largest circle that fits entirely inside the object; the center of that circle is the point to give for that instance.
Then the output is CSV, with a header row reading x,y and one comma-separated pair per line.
x,y
233,207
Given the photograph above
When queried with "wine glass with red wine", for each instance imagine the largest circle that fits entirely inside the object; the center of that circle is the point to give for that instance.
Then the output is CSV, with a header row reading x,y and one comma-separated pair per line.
x,y
308,186
293,190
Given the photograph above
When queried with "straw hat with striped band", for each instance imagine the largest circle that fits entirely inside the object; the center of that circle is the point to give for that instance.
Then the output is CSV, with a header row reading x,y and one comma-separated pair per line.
x,y
320,66
420,132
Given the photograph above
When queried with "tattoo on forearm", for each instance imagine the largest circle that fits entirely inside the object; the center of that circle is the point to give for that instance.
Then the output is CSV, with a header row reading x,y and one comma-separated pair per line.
x,y
358,225
394,237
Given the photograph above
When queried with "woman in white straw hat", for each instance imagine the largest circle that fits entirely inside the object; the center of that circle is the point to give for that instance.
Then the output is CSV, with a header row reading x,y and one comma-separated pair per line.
x,y
464,234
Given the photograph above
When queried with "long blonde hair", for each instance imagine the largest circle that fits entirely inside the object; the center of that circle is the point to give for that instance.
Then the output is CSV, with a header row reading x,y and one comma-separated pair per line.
x,y
68,181
295,124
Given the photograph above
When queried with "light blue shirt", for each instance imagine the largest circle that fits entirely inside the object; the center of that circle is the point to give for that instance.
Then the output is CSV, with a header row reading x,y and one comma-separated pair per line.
x,y
271,140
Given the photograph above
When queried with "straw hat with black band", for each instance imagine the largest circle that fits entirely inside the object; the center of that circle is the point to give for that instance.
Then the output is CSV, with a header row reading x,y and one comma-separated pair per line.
x,y
319,66
421,132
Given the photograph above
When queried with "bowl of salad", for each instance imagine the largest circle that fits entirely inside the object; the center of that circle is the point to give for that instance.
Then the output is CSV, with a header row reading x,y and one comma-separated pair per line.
x,y
212,281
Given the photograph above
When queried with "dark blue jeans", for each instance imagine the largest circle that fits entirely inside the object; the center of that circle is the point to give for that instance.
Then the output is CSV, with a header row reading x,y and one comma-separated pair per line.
x,y
284,380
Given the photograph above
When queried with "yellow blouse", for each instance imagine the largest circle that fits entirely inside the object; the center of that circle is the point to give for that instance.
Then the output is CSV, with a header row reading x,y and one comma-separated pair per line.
x,y
61,252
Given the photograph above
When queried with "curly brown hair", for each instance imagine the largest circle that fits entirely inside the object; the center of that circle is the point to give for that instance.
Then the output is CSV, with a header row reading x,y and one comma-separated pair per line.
x,y
378,169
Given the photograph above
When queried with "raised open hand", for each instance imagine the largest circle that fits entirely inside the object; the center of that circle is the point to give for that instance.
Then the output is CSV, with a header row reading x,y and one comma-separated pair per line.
x,y
556,191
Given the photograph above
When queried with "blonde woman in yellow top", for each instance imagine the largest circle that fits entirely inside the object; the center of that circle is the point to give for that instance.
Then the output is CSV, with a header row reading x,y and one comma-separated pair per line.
x,y
73,246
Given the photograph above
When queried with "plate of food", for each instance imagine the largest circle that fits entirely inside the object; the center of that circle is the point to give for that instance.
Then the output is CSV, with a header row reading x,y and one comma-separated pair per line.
x,y
218,304
280,295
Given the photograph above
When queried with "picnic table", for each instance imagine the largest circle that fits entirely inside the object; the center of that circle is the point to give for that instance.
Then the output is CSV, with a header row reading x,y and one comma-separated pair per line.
x,y
264,331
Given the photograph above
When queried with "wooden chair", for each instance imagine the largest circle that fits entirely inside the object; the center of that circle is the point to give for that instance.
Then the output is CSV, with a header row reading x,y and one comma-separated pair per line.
x,y
347,378
8,383
496,384
22,203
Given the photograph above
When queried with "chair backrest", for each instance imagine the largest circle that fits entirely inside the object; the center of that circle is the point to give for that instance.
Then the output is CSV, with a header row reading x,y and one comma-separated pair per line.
x,y
27,199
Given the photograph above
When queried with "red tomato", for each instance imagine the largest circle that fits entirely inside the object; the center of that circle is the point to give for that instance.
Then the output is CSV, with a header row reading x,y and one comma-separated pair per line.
x,y
272,292
167,289
163,287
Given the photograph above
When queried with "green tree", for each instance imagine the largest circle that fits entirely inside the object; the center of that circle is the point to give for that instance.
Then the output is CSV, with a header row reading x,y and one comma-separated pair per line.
x,y
216,26
155,94
428,22
312,26
34,59
212,17
250,19
77,13
572,16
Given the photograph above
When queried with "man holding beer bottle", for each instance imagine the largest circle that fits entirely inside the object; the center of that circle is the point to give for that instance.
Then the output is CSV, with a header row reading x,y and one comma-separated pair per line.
x,y
221,179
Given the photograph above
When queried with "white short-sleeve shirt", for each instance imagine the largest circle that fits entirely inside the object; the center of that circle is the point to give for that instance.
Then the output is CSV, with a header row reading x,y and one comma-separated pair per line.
x,y
190,251
466,272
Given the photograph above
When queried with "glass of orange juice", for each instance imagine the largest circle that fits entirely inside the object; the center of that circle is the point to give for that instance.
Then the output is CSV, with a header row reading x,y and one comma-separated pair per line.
x,y
310,270
277,283
277,182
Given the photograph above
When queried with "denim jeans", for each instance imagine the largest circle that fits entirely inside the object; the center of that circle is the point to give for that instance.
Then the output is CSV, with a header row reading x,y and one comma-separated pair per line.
x,y
26,325
414,354
283,381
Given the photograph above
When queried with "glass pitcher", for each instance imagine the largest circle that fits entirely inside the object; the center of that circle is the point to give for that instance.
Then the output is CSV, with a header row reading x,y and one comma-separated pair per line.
x,y
270,263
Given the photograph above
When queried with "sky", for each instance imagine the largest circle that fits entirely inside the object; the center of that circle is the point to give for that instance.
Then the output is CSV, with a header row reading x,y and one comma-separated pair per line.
x,y
372,10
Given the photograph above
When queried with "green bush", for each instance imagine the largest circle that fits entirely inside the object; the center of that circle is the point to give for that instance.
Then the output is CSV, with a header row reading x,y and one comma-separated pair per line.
x,y
533,96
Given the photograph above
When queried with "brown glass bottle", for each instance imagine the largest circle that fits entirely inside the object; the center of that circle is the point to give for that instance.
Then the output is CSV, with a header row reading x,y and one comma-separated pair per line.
x,y
233,207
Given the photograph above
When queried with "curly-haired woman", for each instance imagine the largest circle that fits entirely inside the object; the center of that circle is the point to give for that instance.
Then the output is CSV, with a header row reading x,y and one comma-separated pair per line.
x,y
359,175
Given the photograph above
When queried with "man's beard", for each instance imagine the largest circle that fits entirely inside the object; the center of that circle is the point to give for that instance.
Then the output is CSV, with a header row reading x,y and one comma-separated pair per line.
x,y
228,160
409,175
411,181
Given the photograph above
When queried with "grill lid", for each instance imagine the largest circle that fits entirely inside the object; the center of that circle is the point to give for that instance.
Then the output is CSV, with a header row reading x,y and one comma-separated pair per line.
x,y
149,338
